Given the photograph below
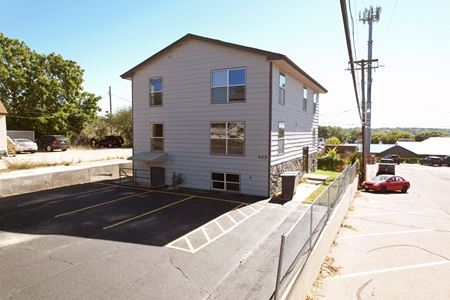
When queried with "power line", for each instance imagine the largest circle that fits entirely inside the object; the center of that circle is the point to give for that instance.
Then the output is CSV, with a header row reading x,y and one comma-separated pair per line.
x,y
350,54
121,98
388,27
353,28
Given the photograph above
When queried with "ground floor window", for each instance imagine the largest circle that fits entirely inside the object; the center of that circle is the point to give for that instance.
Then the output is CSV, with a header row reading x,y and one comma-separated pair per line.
x,y
226,182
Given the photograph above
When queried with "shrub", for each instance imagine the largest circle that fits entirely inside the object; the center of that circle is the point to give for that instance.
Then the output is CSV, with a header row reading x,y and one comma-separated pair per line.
x,y
331,161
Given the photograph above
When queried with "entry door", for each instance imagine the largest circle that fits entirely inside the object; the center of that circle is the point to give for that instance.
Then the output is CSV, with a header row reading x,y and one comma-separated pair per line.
x,y
305,159
157,176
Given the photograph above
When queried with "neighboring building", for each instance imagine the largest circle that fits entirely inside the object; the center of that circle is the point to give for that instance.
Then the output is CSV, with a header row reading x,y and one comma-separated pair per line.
x,y
3,141
437,146
225,116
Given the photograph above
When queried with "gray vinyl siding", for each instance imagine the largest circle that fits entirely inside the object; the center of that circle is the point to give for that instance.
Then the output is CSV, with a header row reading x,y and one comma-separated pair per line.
x,y
187,112
298,123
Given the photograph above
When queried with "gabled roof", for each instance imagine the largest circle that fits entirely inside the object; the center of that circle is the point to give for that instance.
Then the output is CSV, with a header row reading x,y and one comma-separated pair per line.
x,y
3,110
269,55
430,146
378,148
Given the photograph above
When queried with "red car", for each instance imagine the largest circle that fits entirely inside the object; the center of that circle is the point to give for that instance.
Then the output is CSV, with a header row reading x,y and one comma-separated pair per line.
x,y
386,183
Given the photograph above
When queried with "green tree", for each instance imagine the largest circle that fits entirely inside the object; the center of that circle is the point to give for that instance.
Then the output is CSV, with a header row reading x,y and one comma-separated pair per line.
x,y
122,124
427,134
43,93
390,136
326,132
333,141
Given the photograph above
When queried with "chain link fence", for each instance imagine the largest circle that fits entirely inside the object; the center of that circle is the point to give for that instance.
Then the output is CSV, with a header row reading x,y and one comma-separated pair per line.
x,y
297,244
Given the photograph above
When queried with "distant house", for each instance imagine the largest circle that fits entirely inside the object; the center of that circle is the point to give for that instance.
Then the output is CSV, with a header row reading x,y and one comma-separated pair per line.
x,y
225,116
3,142
437,146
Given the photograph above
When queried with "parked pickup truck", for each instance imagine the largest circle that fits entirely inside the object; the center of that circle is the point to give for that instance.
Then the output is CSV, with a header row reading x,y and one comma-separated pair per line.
x,y
386,166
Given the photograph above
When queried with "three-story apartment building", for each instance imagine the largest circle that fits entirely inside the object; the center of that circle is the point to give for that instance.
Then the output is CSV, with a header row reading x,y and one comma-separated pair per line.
x,y
225,116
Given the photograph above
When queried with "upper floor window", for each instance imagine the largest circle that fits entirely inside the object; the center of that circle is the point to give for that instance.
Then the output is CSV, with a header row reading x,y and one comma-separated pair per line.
x,y
305,99
316,101
156,91
282,89
227,138
157,137
228,85
280,138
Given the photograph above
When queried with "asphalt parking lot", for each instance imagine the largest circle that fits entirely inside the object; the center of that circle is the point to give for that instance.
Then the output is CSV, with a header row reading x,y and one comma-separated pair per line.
x,y
122,213
104,241
396,246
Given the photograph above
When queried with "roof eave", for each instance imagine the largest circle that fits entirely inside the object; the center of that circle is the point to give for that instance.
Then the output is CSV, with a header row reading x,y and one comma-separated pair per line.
x,y
296,67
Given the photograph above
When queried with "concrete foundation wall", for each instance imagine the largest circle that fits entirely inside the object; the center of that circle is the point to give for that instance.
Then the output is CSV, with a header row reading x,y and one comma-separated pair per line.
x,y
304,280
38,182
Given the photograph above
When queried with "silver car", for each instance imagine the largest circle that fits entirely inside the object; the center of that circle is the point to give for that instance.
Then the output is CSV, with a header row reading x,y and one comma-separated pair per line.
x,y
25,145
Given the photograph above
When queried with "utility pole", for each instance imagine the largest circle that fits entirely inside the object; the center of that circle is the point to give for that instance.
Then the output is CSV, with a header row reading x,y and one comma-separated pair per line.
x,y
110,112
362,64
369,15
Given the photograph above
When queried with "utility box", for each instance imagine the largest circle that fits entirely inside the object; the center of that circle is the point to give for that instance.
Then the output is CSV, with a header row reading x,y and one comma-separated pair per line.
x,y
289,182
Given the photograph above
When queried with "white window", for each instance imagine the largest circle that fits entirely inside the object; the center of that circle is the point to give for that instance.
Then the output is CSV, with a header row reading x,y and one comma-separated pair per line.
x,y
227,138
280,138
316,101
228,85
225,182
305,99
282,89
157,137
156,91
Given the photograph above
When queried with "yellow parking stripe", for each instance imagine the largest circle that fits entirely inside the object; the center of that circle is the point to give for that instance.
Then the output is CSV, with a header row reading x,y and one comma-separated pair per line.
x,y
146,213
178,194
99,204
68,196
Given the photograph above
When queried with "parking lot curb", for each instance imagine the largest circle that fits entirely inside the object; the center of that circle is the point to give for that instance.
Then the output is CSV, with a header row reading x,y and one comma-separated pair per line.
x,y
54,179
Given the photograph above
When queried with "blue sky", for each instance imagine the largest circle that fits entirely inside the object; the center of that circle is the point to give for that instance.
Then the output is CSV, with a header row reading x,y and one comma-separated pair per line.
x,y
109,37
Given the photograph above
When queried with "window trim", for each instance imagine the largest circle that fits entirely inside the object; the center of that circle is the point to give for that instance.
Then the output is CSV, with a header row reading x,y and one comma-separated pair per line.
x,y
226,139
227,85
152,137
281,139
161,92
281,99
315,101
305,99
224,182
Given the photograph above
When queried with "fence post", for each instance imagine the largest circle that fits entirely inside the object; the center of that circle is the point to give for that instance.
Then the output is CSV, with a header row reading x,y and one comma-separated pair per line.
x,y
329,206
280,264
310,226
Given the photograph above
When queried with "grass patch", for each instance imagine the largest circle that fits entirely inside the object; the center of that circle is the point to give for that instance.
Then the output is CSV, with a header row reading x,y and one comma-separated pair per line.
x,y
24,165
331,177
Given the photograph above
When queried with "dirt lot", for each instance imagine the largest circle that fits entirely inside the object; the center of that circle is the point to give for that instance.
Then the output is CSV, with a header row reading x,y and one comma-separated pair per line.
x,y
71,156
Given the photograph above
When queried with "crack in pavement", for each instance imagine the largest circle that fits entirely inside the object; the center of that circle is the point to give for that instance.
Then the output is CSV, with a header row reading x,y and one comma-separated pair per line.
x,y
413,246
390,223
360,289
60,259
185,276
